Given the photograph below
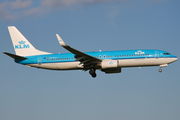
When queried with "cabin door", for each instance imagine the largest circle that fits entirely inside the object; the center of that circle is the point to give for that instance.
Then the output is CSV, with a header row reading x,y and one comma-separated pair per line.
x,y
156,54
39,60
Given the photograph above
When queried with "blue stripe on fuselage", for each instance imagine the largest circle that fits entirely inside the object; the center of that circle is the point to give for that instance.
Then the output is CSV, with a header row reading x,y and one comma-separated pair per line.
x,y
122,54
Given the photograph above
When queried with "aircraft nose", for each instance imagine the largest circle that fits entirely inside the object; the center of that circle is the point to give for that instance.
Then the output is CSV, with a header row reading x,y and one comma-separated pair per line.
x,y
174,59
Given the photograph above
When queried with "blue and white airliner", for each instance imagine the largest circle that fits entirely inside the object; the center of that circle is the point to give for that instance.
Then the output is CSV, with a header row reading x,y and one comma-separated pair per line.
x,y
106,61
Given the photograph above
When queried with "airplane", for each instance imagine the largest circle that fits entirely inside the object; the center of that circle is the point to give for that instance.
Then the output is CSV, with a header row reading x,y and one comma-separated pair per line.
x,y
106,61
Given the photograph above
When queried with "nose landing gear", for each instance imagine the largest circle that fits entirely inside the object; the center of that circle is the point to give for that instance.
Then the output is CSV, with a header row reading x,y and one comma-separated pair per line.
x,y
164,65
92,72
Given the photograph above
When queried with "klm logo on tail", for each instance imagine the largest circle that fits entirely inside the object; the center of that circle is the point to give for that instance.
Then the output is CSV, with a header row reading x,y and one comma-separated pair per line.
x,y
22,45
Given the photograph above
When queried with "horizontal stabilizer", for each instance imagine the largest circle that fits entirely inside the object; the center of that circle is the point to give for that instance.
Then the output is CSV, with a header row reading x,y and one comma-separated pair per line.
x,y
17,57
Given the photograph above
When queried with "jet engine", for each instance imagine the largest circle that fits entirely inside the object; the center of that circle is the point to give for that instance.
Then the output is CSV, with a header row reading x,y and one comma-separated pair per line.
x,y
110,66
105,64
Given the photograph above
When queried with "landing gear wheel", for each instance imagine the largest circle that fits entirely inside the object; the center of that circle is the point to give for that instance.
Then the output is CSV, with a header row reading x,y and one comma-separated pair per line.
x,y
94,75
92,72
160,70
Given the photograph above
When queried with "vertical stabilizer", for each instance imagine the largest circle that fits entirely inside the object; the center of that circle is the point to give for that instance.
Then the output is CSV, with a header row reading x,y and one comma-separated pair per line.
x,y
21,45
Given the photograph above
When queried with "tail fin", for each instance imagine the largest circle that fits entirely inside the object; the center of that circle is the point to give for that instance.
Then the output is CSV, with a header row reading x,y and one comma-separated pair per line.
x,y
21,45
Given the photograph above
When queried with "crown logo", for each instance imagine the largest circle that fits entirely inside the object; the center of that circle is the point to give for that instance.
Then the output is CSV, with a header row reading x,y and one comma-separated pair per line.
x,y
22,42
139,52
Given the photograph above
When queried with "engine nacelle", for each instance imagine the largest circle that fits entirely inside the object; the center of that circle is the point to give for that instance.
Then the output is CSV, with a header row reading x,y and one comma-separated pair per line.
x,y
105,64
110,66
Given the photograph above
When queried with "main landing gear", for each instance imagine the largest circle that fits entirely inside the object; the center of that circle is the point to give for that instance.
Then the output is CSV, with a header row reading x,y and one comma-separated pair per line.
x,y
92,72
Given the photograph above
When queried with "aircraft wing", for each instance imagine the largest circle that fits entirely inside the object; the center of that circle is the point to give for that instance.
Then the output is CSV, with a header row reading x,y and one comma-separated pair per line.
x,y
84,58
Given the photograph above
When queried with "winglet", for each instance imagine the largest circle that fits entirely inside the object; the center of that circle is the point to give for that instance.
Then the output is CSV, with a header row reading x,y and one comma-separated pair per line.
x,y
61,42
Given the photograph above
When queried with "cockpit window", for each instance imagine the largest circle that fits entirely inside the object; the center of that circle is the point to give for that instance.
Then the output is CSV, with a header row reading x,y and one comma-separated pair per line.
x,y
166,53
